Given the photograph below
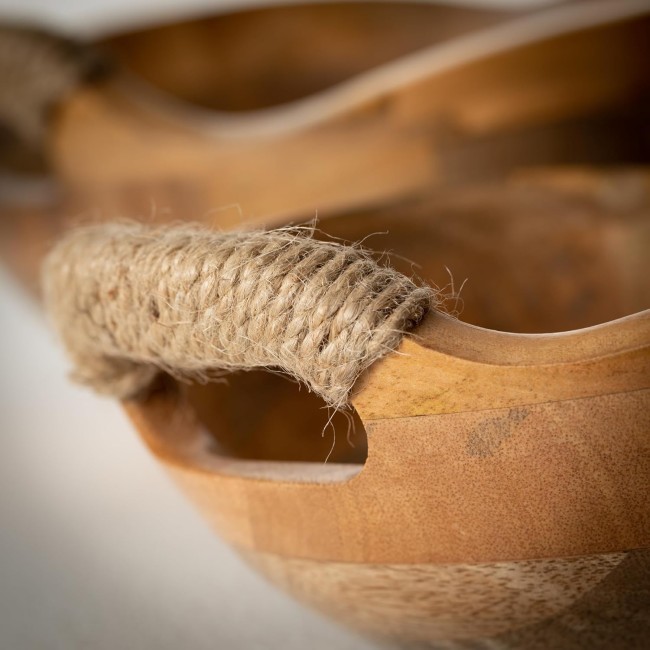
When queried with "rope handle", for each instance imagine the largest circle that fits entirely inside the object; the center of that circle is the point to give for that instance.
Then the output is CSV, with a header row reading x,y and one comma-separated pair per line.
x,y
130,301
37,71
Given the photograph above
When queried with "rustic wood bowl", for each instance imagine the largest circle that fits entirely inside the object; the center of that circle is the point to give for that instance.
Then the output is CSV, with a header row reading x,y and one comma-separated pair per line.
x,y
413,97
497,492
504,497
406,109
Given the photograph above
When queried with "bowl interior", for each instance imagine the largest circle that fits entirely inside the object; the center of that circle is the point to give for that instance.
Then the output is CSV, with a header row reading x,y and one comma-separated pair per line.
x,y
256,58
555,251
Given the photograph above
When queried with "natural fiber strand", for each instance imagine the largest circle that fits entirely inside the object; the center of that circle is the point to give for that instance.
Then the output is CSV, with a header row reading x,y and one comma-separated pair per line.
x,y
37,70
130,300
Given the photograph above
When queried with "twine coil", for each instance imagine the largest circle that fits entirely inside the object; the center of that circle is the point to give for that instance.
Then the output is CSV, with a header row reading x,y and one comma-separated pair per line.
x,y
37,70
130,300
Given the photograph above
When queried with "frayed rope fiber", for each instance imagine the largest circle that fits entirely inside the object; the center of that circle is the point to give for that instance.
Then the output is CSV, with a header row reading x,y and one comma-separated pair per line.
x,y
37,70
129,301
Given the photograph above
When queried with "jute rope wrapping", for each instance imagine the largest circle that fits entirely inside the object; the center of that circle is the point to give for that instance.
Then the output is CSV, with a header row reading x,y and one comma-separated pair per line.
x,y
37,70
130,301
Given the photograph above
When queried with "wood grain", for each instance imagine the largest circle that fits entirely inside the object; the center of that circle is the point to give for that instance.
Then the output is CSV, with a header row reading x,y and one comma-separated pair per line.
x,y
430,120
506,604
557,478
504,498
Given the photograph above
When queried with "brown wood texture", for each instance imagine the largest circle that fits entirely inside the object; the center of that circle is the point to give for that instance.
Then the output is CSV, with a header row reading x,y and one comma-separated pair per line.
x,y
377,140
514,463
453,112
597,601
477,470
498,493
535,494
256,58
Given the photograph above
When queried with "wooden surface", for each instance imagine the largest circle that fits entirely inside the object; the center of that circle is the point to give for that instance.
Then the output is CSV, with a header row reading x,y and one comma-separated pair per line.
x,y
460,497
474,110
478,470
255,58
122,151
507,472
597,602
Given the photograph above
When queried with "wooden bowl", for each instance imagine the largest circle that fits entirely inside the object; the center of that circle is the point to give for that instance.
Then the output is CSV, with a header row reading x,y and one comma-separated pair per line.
x,y
412,97
497,492
410,110
504,497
